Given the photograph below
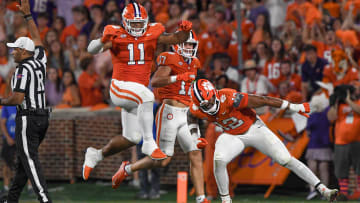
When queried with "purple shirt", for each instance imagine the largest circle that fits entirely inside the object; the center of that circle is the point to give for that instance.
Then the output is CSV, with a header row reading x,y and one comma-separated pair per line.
x,y
318,125
254,12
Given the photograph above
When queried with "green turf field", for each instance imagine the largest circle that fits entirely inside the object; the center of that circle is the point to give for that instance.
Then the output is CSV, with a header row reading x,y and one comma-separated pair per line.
x,y
103,193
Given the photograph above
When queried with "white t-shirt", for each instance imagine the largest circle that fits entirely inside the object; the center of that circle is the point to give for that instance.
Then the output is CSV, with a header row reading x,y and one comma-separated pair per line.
x,y
259,86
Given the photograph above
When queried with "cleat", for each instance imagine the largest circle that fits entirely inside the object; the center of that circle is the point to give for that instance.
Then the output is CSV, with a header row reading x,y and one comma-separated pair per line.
x,y
92,157
157,154
206,201
227,201
120,175
330,194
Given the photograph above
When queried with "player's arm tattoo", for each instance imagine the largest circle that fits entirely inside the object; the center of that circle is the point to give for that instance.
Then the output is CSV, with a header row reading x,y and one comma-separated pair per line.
x,y
255,101
193,123
173,38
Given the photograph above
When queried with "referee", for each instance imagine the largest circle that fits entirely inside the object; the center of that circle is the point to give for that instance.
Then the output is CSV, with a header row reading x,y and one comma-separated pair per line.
x,y
32,118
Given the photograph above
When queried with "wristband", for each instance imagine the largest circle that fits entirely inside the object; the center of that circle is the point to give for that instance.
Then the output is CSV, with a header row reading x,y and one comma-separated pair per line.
x,y
173,78
28,18
28,15
284,104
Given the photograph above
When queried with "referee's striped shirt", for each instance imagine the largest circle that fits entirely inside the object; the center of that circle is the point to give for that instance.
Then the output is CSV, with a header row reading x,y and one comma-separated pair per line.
x,y
29,78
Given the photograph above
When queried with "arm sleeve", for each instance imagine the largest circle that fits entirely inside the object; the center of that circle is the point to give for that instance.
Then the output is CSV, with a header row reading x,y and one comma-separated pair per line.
x,y
240,100
21,80
40,54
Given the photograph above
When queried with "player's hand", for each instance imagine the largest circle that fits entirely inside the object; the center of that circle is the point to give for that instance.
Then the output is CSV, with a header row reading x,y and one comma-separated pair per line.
x,y
10,141
185,25
201,143
186,77
24,7
302,109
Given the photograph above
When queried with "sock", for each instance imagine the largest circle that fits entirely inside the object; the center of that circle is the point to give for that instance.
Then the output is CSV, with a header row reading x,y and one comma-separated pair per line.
x,y
128,169
344,185
200,198
221,176
145,120
6,187
302,171
226,198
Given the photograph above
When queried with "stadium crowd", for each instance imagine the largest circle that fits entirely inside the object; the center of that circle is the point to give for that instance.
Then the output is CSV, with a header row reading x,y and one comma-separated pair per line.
x,y
296,50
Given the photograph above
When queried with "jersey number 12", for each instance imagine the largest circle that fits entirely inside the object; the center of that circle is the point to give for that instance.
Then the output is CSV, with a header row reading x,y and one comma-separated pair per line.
x,y
131,54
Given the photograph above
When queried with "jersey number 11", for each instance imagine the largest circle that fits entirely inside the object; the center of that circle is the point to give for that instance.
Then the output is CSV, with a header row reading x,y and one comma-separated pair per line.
x,y
131,54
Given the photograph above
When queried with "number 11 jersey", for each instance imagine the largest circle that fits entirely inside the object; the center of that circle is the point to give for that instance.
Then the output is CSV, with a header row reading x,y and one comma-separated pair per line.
x,y
179,90
132,57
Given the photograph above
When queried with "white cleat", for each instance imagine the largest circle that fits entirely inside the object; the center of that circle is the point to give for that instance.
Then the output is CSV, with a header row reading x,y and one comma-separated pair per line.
x,y
227,201
330,194
92,158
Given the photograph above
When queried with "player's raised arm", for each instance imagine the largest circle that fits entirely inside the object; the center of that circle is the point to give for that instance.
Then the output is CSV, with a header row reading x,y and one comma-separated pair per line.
x,y
96,46
177,37
254,101
24,8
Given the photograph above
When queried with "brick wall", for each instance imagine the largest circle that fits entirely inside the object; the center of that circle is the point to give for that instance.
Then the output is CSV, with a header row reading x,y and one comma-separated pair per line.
x,y
71,131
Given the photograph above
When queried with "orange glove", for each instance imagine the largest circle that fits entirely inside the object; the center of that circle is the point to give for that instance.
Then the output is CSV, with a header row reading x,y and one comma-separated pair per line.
x,y
186,77
201,143
185,25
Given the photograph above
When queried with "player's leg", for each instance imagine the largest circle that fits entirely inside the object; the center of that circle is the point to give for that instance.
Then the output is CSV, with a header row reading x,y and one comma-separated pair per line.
x,y
166,130
263,139
188,144
227,147
130,132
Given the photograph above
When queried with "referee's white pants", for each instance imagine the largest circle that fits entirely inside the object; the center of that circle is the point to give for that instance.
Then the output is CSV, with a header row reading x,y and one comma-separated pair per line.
x,y
137,117
259,136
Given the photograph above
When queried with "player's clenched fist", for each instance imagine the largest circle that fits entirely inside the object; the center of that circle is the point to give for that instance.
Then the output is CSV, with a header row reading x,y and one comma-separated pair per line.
x,y
185,25
201,143
186,77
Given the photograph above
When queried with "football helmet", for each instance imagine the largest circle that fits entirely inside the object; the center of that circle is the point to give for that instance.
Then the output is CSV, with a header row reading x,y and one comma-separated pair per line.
x,y
187,52
205,96
132,14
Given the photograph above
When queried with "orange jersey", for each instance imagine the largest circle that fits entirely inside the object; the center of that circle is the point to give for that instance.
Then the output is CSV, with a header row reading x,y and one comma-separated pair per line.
x,y
350,76
233,117
294,81
132,57
324,50
272,70
179,90
347,128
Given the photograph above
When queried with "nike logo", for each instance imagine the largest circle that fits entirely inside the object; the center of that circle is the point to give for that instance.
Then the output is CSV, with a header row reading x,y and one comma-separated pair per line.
x,y
148,34
223,113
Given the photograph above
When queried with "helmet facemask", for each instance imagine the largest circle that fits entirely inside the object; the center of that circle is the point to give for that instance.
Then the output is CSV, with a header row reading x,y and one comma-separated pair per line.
x,y
188,52
210,107
135,30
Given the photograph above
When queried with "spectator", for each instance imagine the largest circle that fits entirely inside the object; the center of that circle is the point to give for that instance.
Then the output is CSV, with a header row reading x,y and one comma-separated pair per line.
x,y
110,8
262,31
94,28
64,9
6,61
277,10
319,153
175,16
272,67
80,52
346,115
80,16
258,8
7,17
51,36
254,83
224,29
42,23
59,25
311,71
89,84
262,54
8,115
54,89
287,75
58,58
71,96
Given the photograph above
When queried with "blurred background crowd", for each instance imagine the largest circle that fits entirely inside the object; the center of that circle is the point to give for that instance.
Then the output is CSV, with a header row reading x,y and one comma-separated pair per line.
x,y
299,50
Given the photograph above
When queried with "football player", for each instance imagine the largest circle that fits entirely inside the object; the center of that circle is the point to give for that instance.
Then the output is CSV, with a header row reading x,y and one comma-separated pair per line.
x,y
233,112
176,70
132,46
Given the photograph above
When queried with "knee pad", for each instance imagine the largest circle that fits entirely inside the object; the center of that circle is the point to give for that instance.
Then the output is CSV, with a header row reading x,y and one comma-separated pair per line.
x,y
134,137
283,159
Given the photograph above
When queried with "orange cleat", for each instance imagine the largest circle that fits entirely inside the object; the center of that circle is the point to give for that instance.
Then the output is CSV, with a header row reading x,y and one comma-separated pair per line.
x,y
86,172
120,175
157,154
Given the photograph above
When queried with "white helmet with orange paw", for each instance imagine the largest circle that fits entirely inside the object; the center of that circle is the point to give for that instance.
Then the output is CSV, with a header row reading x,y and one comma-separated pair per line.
x,y
205,96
